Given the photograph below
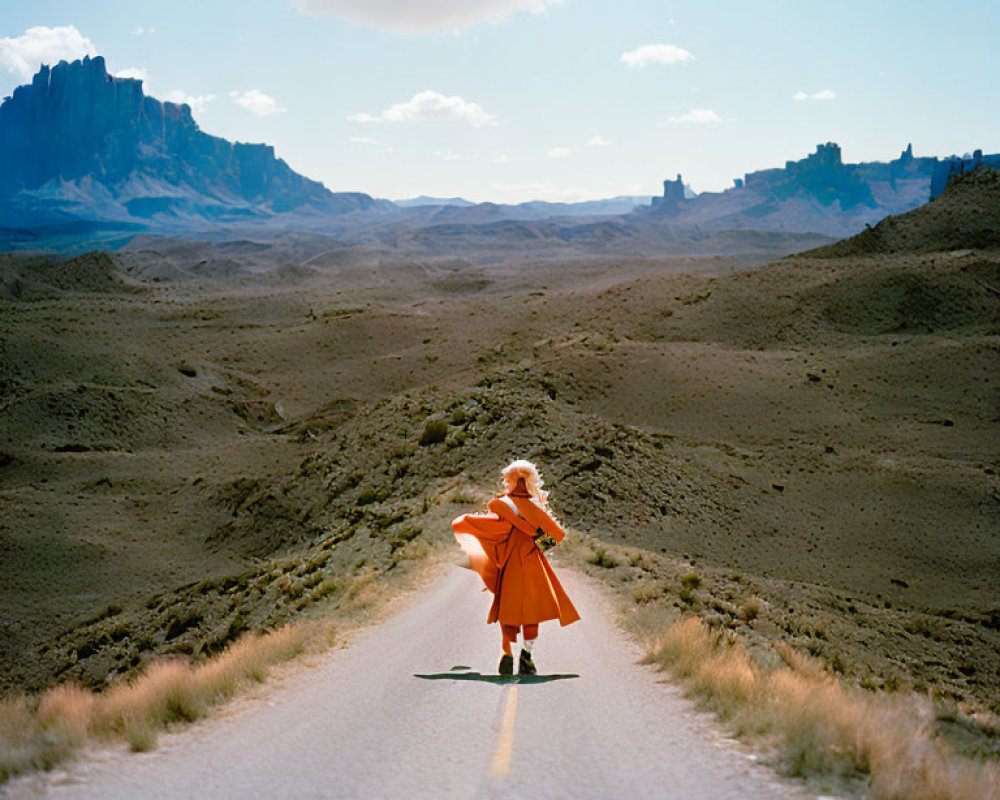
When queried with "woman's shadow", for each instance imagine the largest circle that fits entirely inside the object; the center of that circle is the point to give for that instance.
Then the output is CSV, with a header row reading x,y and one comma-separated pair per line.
x,y
461,673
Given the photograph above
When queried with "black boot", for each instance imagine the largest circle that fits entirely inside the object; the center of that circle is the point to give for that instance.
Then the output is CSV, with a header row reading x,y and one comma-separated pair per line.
x,y
506,664
526,666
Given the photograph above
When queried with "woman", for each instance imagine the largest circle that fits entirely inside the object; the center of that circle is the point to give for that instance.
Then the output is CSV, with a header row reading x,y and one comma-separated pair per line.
x,y
502,546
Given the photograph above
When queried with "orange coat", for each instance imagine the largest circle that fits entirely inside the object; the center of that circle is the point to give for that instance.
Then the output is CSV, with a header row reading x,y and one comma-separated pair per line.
x,y
502,549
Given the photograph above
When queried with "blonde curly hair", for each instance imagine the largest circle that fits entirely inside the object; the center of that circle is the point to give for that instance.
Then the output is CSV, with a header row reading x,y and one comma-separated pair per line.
x,y
520,468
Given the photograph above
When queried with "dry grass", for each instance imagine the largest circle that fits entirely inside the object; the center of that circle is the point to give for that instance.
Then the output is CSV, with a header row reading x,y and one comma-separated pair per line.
x,y
818,728
751,609
602,558
24,744
36,733
67,709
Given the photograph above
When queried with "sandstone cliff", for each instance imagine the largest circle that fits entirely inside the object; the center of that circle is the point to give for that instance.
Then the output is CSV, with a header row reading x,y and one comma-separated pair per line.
x,y
79,144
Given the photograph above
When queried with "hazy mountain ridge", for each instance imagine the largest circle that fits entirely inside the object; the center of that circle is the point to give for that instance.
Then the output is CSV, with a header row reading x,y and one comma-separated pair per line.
x,y
426,200
816,194
534,209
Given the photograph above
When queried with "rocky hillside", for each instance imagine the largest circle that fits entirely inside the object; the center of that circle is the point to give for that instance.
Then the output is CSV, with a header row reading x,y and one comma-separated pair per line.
x,y
966,215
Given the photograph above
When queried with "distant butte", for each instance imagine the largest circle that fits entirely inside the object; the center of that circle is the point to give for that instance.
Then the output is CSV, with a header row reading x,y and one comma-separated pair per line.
x,y
78,143
818,193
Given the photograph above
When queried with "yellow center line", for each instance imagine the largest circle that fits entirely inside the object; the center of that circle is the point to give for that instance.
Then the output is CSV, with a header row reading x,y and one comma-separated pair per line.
x,y
505,742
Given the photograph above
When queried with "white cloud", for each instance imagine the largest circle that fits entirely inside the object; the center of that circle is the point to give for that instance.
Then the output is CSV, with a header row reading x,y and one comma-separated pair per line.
x,y
133,72
826,94
448,155
141,30
503,158
655,54
428,105
696,116
23,55
198,102
559,152
598,141
422,16
364,140
256,102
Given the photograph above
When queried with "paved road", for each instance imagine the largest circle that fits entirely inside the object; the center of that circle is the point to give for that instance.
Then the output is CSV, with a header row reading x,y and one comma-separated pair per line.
x,y
361,723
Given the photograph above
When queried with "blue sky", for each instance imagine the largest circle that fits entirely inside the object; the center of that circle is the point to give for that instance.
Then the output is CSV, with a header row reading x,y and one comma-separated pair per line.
x,y
509,100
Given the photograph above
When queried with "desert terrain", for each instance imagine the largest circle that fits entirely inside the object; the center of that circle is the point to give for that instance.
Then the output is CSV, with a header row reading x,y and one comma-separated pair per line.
x,y
198,439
